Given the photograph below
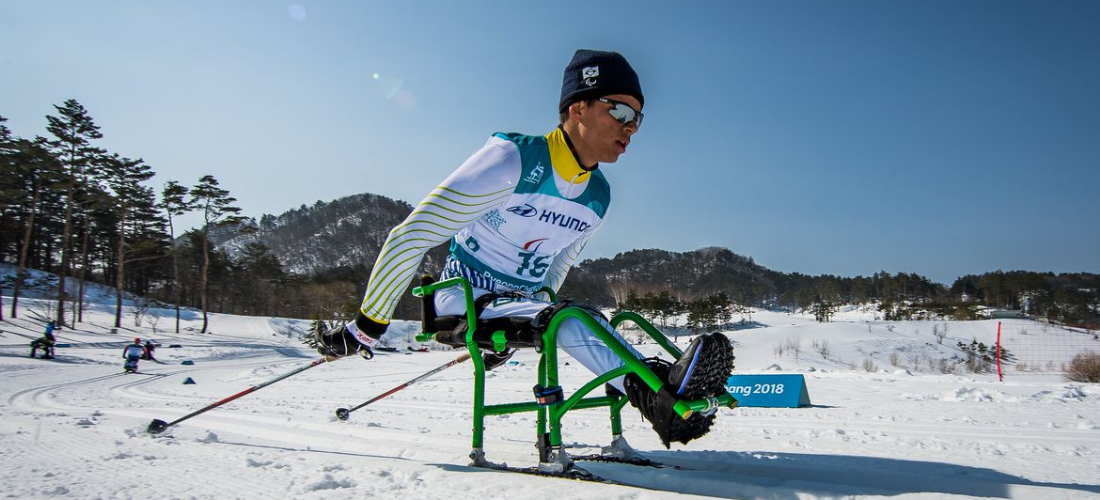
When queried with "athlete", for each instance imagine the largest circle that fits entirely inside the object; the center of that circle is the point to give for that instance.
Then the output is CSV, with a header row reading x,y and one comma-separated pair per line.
x,y
517,214
132,353
46,342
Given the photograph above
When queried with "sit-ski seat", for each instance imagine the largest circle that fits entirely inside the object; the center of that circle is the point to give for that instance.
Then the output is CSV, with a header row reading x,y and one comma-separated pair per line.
x,y
451,330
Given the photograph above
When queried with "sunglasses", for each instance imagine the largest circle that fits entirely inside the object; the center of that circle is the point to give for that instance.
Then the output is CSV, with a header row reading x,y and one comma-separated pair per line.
x,y
622,112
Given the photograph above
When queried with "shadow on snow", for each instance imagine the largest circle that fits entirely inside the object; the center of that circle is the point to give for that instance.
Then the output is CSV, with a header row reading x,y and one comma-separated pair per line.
x,y
790,476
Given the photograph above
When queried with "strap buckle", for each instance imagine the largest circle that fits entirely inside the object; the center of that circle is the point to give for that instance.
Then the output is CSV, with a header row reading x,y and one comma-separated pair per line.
x,y
547,396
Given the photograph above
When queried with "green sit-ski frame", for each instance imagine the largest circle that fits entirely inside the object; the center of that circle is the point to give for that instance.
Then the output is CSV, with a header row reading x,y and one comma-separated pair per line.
x,y
552,457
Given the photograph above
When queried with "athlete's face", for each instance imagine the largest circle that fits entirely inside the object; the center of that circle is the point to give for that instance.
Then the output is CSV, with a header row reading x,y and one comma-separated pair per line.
x,y
603,137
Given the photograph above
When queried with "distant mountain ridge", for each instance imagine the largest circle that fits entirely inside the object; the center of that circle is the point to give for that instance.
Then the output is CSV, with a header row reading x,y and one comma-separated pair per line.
x,y
346,232
688,275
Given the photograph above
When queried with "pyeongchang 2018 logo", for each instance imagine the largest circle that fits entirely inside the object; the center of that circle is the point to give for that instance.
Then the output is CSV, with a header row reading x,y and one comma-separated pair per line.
x,y
524,210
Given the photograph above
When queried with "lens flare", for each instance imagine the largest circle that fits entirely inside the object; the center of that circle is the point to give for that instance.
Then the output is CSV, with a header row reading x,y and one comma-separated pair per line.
x,y
392,90
405,99
389,86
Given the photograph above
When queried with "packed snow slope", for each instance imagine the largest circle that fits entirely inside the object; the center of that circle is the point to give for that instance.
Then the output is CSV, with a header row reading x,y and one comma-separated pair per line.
x,y
74,427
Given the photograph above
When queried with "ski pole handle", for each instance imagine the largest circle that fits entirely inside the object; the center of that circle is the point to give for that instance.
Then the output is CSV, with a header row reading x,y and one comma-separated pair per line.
x,y
344,413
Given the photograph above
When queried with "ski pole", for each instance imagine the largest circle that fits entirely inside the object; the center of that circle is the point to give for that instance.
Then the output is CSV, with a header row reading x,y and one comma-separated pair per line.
x,y
158,426
344,413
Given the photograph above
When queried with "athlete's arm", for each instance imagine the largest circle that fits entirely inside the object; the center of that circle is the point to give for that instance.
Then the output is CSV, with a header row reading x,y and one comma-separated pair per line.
x,y
481,183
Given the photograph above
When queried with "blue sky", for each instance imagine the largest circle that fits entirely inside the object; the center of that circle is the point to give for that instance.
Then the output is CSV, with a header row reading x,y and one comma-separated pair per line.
x,y
847,137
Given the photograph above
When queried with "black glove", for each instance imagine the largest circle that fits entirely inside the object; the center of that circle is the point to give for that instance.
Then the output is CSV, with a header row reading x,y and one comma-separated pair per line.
x,y
353,338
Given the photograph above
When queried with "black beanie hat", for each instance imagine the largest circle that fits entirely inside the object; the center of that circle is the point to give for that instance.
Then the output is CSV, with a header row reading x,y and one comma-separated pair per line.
x,y
596,73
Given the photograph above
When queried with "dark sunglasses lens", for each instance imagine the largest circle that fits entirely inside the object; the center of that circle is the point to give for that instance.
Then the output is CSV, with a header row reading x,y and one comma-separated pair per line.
x,y
625,114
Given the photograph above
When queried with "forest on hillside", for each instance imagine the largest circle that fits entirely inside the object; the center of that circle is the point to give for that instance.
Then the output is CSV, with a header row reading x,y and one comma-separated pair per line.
x,y
639,279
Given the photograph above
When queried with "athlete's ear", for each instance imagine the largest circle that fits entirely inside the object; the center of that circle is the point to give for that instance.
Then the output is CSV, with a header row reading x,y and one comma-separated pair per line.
x,y
576,110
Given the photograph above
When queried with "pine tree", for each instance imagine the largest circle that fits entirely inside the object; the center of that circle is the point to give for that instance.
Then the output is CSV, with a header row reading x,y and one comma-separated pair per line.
x,y
664,306
217,209
262,275
33,172
8,191
823,310
723,308
174,202
94,223
73,131
124,178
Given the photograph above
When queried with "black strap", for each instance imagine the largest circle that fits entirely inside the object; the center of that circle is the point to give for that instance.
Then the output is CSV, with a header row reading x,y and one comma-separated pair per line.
x,y
543,318
427,306
482,302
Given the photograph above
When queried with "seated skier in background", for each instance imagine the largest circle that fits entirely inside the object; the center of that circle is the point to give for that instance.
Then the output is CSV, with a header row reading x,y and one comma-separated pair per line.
x,y
132,353
46,343
148,349
517,214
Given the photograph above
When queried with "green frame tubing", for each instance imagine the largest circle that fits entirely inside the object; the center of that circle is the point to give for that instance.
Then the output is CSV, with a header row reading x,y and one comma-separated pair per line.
x,y
551,415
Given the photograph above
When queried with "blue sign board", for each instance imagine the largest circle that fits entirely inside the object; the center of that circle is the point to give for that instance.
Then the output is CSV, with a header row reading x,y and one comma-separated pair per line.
x,y
787,390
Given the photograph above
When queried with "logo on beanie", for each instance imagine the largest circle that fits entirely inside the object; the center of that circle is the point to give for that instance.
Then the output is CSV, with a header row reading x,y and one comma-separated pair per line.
x,y
590,74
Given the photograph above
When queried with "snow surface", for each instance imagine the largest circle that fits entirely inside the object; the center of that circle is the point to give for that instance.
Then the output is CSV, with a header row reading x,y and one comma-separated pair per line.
x,y
75,427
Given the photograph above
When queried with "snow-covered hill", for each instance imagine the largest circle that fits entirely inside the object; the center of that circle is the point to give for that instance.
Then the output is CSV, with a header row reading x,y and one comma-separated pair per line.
x,y
75,427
